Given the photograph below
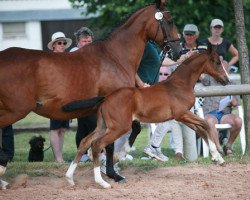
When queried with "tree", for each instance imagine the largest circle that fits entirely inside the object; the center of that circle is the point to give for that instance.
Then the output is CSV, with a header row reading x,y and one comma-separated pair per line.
x,y
198,12
201,13
244,62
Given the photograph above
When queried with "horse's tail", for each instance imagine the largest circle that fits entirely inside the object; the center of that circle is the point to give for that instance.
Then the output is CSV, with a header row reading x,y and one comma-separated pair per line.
x,y
83,104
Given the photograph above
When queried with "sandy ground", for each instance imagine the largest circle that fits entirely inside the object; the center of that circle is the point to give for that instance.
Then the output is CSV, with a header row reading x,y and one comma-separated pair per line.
x,y
191,181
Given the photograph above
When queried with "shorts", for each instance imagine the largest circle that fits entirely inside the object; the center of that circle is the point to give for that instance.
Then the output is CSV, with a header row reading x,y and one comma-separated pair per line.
x,y
217,114
57,124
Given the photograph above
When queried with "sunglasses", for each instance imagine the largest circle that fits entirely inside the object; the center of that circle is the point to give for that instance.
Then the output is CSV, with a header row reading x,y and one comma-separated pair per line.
x,y
217,26
60,43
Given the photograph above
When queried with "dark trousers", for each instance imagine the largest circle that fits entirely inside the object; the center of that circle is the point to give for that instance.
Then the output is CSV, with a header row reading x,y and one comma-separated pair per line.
x,y
8,141
85,126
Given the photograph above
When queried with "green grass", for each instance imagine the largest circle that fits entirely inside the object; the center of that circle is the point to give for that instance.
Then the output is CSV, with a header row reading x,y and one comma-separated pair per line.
x,y
20,165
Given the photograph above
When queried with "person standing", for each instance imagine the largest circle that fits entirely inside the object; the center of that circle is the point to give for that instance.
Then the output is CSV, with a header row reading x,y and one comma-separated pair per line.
x,y
211,104
223,45
8,146
58,44
87,124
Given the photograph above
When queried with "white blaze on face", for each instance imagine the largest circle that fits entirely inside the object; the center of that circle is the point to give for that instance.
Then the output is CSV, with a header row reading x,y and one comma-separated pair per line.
x,y
223,66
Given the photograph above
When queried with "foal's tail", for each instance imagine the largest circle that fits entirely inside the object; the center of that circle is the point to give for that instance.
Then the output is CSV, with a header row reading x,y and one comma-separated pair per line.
x,y
83,104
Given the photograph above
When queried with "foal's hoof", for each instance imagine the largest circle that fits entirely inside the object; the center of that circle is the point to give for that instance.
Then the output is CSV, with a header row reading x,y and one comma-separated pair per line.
x,y
70,180
219,162
104,184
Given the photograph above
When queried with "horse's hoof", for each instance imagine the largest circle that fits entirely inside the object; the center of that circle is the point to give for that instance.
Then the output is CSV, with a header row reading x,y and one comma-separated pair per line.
x,y
120,179
70,180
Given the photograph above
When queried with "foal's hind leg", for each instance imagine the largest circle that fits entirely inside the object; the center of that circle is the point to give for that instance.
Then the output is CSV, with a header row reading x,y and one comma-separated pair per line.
x,y
201,127
84,145
109,137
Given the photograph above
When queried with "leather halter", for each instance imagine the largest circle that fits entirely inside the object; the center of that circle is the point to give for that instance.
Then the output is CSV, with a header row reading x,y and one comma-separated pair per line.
x,y
166,44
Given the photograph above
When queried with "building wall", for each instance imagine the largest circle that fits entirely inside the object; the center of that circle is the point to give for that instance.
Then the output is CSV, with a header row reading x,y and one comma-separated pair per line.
x,y
22,21
31,40
10,5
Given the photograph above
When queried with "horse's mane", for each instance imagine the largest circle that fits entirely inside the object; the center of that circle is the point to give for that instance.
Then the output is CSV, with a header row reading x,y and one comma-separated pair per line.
x,y
120,23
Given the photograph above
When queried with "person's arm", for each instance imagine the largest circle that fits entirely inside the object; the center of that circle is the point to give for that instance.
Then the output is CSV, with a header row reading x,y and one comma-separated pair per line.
x,y
139,82
187,55
235,55
168,62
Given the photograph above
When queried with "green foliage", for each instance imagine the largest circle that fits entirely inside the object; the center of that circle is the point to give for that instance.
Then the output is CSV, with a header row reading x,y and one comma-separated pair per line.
x,y
198,12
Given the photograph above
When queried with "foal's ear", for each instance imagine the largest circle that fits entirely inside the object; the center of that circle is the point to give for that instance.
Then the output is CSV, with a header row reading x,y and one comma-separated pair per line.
x,y
211,48
160,4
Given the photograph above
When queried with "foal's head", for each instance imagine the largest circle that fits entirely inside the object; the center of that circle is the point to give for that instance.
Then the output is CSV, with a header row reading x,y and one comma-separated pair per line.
x,y
215,67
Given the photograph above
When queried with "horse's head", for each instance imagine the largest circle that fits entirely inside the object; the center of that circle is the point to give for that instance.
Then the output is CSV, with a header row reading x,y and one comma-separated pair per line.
x,y
167,33
215,66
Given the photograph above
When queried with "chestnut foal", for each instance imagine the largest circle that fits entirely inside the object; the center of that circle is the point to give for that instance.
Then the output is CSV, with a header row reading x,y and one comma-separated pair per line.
x,y
169,99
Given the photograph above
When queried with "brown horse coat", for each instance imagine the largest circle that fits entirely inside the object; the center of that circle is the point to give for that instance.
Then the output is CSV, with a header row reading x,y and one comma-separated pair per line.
x,y
169,99
38,81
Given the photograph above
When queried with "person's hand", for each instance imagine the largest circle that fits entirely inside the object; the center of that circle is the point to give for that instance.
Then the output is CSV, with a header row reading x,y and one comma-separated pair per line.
x,y
146,85
234,102
191,52
187,55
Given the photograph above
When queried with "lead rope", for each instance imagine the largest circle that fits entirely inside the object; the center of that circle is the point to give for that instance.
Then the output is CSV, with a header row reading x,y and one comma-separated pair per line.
x,y
163,55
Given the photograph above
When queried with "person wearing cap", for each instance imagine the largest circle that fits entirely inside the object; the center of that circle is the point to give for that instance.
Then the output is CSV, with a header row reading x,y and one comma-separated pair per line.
x,y
191,44
58,44
223,45
213,113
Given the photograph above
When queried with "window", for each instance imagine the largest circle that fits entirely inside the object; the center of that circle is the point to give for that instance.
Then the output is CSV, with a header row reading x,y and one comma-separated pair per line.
x,y
14,30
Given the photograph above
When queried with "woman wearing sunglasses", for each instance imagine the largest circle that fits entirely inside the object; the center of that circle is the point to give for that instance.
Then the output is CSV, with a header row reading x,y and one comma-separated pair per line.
x,y
58,44
224,45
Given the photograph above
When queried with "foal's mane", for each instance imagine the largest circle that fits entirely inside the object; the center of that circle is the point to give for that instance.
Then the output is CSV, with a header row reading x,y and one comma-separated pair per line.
x,y
186,62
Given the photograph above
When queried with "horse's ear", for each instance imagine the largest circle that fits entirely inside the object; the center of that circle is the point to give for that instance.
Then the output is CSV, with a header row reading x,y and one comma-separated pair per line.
x,y
160,4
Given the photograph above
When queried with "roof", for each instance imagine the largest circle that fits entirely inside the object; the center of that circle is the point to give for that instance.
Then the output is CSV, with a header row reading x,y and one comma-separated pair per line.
x,y
43,15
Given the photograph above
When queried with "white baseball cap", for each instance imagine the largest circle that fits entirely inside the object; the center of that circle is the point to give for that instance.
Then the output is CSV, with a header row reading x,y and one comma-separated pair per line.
x,y
190,29
216,22
59,36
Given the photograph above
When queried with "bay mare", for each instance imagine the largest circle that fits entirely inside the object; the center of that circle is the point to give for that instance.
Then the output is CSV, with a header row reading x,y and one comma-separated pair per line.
x,y
42,82
169,99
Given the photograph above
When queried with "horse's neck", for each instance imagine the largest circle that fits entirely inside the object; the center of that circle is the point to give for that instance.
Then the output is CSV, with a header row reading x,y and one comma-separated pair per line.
x,y
189,72
127,43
